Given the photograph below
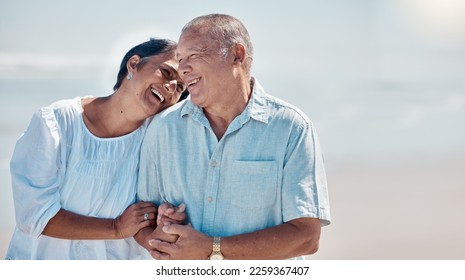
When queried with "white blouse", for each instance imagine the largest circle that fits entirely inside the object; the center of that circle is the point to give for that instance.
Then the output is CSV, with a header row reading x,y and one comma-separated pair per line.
x,y
58,163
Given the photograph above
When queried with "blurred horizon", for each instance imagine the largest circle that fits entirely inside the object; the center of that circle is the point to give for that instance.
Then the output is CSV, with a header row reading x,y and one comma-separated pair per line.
x,y
383,82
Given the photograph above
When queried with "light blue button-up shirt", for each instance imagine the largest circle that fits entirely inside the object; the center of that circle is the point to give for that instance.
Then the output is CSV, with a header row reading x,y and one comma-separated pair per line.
x,y
267,169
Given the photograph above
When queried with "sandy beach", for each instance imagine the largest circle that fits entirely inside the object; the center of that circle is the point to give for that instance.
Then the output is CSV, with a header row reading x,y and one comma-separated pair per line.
x,y
406,208
409,208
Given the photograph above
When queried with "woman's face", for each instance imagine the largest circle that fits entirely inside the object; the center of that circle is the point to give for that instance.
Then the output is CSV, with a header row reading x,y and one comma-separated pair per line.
x,y
156,83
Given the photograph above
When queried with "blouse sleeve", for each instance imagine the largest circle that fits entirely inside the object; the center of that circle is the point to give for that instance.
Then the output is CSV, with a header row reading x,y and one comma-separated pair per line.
x,y
35,173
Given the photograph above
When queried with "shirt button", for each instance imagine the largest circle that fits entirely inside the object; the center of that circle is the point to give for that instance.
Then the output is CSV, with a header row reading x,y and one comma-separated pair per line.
x,y
214,163
210,199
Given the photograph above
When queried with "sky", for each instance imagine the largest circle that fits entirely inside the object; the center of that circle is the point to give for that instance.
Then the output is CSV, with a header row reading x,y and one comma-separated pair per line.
x,y
385,76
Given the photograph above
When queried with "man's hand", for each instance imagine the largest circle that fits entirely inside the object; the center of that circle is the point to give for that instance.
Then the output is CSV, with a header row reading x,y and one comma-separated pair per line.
x,y
191,244
169,214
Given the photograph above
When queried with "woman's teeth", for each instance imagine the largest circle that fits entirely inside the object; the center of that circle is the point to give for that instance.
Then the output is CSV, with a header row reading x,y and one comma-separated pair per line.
x,y
157,94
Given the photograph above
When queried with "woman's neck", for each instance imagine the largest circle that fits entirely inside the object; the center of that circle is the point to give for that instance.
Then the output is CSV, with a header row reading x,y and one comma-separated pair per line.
x,y
108,117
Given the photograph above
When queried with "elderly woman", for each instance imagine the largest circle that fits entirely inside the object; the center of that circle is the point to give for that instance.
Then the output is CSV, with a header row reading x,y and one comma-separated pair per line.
x,y
74,170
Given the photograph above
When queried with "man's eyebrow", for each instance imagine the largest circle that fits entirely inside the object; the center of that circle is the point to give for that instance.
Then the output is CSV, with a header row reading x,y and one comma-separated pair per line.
x,y
195,49
201,49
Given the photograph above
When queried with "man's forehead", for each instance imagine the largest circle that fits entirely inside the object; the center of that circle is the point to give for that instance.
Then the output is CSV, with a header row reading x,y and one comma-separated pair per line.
x,y
191,46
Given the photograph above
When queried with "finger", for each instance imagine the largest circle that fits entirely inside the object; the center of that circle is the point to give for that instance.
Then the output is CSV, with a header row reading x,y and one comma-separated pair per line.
x,y
159,255
148,223
165,237
175,229
166,207
178,216
143,204
149,209
171,238
162,246
147,213
164,219
181,208
167,211
176,213
147,216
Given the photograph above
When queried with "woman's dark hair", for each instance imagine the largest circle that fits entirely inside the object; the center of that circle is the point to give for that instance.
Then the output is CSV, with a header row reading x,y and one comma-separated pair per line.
x,y
152,47
184,95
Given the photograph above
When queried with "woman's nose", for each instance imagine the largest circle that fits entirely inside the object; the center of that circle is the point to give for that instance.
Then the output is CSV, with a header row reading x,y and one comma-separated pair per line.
x,y
171,86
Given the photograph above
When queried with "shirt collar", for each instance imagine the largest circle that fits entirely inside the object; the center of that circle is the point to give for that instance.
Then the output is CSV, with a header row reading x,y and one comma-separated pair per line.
x,y
257,106
255,109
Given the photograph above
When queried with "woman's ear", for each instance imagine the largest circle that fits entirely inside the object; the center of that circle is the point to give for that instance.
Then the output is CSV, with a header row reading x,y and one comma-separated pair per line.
x,y
132,62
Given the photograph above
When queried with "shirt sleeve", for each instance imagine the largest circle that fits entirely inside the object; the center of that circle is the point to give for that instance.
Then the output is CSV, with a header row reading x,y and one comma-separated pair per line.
x,y
305,192
147,189
34,168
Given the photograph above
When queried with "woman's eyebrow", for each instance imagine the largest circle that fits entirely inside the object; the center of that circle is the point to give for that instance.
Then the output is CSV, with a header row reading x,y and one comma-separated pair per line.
x,y
171,68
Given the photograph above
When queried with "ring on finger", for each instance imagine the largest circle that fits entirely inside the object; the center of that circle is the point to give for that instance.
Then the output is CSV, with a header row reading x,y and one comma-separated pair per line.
x,y
146,216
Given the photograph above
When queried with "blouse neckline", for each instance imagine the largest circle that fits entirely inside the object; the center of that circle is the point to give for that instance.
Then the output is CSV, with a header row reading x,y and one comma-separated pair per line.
x,y
88,132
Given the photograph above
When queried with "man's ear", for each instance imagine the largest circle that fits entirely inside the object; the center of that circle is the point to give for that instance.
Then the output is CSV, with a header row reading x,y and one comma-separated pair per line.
x,y
132,62
238,53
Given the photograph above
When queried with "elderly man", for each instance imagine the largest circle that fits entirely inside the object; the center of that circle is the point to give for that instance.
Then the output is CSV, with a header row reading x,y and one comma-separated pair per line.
x,y
247,165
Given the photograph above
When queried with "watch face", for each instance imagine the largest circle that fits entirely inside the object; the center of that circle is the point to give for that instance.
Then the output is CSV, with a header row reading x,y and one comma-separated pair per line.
x,y
216,257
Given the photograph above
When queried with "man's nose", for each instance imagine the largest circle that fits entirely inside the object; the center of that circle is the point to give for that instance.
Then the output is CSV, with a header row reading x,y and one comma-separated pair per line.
x,y
183,68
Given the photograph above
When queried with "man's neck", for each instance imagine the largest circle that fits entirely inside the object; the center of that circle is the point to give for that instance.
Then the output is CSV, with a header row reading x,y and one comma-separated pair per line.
x,y
222,115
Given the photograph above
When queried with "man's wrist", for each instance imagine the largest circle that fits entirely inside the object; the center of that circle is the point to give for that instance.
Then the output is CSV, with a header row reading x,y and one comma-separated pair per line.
x,y
216,249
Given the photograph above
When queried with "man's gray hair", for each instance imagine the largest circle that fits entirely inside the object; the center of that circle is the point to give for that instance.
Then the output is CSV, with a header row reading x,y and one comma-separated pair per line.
x,y
225,29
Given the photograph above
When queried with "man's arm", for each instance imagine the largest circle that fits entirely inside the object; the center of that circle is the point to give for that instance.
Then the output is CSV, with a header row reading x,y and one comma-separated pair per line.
x,y
294,238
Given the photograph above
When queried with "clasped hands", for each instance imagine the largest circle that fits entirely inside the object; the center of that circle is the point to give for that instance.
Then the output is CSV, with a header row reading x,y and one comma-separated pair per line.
x,y
174,240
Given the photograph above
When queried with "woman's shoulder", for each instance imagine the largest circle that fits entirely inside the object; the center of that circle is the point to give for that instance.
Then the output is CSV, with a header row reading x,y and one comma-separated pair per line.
x,y
60,113
64,108
74,104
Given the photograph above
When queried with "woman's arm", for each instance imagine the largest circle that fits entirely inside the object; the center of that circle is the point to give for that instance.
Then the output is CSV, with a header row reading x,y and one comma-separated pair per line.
x,y
68,225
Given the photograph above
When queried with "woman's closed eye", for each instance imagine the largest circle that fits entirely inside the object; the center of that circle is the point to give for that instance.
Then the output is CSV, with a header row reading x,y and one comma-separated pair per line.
x,y
167,74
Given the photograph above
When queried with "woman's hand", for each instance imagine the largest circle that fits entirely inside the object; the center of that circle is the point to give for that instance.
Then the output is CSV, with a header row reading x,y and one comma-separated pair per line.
x,y
134,218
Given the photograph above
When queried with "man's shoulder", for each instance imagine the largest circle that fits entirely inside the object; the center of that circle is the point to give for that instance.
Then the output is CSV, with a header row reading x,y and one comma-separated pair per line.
x,y
172,112
169,116
279,109
285,111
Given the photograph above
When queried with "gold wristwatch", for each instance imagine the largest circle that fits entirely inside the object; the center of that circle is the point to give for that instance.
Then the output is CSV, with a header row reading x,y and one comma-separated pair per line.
x,y
216,252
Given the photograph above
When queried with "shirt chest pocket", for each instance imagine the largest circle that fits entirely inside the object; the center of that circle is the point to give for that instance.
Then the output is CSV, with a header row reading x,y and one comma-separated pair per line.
x,y
253,184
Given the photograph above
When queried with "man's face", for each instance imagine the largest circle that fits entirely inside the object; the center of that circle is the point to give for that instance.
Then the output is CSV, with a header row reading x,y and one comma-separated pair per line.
x,y
202,68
